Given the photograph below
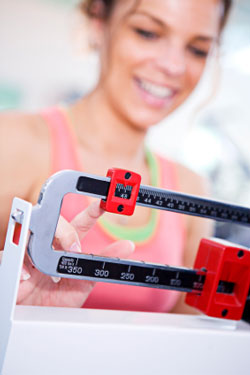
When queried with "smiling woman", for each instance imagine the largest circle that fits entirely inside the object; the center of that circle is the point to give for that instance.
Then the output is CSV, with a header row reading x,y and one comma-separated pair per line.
x,y
152,56
160,47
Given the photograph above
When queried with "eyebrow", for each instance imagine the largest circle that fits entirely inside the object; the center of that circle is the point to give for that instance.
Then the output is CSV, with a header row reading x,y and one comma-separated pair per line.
x,y
143,13
206,38
200,38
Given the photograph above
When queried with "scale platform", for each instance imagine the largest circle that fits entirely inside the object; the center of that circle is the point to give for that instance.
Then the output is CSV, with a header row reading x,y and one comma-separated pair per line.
x,y
52,341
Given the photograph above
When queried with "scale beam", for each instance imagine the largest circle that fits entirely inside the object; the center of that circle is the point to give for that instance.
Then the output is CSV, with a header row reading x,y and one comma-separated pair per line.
x,y
219,283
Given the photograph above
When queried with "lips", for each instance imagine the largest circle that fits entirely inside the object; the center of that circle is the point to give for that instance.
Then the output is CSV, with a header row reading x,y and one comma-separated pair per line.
x,y
158,91
154,94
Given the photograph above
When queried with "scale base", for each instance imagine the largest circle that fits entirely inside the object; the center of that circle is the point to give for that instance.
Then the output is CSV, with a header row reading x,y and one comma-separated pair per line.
x,y
47,340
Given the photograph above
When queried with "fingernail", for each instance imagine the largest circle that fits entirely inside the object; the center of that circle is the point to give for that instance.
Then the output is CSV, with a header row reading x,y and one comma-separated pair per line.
x,y
75,248
55,279
132,245
24,275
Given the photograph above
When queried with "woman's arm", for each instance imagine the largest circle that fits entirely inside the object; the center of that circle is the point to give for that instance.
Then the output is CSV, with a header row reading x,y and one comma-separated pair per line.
x,y
24,161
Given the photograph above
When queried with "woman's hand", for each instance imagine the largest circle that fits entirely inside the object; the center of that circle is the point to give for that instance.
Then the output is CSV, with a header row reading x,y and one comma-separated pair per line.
x,y
37,288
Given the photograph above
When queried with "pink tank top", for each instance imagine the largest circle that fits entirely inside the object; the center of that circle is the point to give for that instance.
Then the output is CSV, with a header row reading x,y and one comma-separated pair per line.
x,y
164,244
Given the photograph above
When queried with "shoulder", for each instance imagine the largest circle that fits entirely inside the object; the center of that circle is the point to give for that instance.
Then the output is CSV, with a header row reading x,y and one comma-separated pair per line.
x,y
197,228
191,182
26,127
24,147
186,180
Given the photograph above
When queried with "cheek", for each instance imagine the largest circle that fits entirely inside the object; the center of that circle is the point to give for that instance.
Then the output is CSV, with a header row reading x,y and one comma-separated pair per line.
x,y
195,72
129,54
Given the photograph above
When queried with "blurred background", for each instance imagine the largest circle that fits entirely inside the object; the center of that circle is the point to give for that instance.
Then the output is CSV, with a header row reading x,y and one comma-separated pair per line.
x,y
44,61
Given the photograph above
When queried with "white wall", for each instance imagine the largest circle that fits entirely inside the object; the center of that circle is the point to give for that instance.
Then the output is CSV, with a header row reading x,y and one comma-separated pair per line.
x,y
40,52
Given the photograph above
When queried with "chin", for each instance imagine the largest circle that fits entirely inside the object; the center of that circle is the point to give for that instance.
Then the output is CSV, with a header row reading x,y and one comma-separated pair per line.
x,y
143,123
145,118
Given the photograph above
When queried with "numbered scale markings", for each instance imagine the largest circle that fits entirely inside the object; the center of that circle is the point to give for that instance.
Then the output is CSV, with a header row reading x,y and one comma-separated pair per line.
x,y
137,273
169,200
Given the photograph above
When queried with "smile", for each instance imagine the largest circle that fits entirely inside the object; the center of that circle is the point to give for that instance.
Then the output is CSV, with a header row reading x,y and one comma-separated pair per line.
x,y
157,91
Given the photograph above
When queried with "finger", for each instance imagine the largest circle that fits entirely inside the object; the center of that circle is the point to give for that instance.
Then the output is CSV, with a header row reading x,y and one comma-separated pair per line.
x,y
66,237
120,249
55,279
84,221
25,275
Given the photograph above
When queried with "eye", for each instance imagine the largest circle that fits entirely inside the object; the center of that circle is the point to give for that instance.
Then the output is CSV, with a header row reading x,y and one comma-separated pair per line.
x,y
198,52
146,34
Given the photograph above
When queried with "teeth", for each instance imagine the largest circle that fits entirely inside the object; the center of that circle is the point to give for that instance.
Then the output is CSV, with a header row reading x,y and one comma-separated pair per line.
x,y
155,90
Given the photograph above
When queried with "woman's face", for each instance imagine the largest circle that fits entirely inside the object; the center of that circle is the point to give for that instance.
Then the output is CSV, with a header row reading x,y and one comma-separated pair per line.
x,y
153,54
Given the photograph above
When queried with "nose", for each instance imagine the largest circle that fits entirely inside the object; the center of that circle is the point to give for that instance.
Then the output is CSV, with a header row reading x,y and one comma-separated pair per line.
x,y
171,60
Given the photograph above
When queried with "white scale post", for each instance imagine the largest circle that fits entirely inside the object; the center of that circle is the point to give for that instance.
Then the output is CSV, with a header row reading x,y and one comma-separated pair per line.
x,y
10,270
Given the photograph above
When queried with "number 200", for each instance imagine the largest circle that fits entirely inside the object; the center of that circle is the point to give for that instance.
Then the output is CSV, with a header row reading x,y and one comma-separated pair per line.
x,y
152,279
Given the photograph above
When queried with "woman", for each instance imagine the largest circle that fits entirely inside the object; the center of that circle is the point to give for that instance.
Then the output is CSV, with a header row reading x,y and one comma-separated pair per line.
x,y
152,55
